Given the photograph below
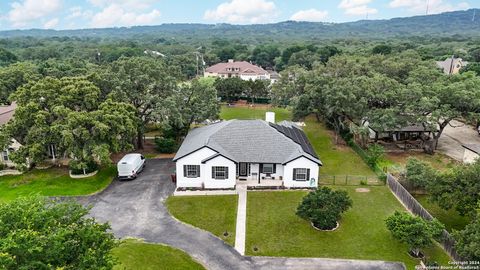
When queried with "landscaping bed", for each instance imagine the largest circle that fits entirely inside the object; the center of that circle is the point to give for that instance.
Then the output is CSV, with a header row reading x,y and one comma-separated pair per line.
x,y
53,182
134,254
216,214
362,234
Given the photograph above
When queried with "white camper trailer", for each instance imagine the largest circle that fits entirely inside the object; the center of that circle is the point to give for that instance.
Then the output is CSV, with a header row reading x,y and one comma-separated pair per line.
x,y
130,165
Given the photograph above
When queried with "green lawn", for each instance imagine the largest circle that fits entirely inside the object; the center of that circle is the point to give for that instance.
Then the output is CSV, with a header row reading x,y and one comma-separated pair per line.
x,y
275,230
216,214
395,162
52,182
451,218
228,113
133,255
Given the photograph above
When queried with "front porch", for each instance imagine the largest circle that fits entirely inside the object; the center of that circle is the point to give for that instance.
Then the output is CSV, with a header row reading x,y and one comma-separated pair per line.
x,y
260,183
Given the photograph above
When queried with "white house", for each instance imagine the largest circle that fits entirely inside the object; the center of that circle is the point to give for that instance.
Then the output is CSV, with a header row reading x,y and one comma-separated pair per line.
x,y
451,65
471,153
218,155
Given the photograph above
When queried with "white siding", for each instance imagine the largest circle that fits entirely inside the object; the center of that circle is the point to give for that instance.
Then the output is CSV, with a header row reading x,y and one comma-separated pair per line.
x,y
194,158
214,183
301,162
469,156
13,145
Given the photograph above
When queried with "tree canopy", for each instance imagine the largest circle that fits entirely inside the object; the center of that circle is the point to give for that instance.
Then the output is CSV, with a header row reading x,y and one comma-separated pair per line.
x,y
37,233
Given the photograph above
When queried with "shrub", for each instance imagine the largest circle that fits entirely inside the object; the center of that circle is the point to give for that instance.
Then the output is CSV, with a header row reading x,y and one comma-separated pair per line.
x,y
165,145
82,167
375,153
468,241
418,173
414,231
324,207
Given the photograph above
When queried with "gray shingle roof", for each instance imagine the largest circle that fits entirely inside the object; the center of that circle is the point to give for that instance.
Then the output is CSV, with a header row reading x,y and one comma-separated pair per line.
x,y
252,141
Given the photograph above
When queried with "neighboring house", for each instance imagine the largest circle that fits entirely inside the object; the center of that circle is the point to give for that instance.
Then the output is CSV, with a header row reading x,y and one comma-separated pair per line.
x,y
243,70
6,114
471,153
218,155
452,65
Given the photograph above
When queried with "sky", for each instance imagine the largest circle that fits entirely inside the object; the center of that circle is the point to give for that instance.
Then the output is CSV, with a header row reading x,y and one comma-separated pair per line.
x,y
76,14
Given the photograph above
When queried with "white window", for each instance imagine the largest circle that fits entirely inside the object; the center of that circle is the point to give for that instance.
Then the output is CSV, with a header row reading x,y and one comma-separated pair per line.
x,y
5,155
191,171
219,173
267,168
301,174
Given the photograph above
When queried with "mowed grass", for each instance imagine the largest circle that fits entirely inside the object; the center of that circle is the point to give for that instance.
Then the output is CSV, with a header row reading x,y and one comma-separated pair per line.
x,y
137,255
52,182
216,214
450,218
248,113
275,230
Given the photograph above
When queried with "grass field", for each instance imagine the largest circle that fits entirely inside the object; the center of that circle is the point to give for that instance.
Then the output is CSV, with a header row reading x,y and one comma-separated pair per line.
x,y
52,182
137,255
275,230
451,218
395,162
216,214
246,113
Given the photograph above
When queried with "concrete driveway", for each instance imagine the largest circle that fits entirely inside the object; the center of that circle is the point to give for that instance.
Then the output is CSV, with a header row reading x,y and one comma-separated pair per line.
x,y
454,135
135,209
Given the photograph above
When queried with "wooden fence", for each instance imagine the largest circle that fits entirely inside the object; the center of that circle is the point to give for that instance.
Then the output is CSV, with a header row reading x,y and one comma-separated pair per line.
x,y
416,208
350,180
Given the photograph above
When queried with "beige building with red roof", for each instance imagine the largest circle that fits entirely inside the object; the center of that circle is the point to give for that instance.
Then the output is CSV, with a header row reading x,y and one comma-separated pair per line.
x,y
241,69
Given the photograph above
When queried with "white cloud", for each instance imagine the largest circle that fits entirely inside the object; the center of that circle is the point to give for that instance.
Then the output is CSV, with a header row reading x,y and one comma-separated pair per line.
x,y
243,11
310,15
434,6
127,4
357,7
51,23
116,15
24,12
79,12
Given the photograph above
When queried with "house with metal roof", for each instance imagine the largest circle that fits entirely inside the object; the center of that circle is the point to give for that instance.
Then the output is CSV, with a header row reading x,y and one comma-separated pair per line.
x,y
261,152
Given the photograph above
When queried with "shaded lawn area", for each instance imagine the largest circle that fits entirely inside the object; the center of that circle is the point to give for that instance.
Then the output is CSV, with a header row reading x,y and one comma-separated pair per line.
x,y
450,218
275,230
395,162
246,113
337,159
134,254
53,182
216,214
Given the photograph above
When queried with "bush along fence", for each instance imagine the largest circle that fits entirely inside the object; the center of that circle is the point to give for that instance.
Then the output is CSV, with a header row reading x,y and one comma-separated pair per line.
x,y
350,180
416,208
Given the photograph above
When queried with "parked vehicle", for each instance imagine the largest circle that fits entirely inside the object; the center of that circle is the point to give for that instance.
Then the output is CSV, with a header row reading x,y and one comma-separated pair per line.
x,y
130,166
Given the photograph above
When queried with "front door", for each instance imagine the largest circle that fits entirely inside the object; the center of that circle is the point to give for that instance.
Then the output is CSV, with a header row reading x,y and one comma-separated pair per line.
x,y
243,169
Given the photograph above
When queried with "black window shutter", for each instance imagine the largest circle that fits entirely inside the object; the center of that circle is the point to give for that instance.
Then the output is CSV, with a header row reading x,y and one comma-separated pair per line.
x,y
274,168
198,170
308,174
261,168
185,170
213,172
226,172
294,174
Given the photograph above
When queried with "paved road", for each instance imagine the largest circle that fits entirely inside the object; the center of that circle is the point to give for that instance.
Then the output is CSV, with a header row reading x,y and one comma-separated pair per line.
x,y
136,209
454,135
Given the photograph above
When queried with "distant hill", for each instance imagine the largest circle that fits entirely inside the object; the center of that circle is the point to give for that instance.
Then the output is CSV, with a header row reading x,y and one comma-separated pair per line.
x,y
446,24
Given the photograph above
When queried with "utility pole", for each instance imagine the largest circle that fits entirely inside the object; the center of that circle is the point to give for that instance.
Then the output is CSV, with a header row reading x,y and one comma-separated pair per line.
x,y
474,13
428,4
